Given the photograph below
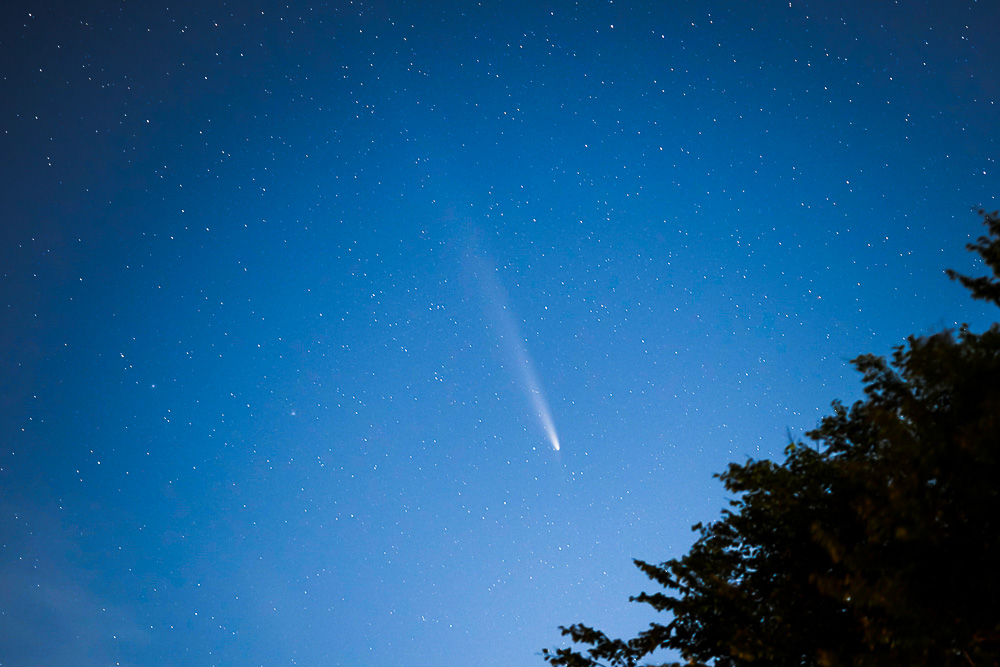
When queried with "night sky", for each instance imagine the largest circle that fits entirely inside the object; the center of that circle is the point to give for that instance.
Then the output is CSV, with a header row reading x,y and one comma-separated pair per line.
x,y
385,333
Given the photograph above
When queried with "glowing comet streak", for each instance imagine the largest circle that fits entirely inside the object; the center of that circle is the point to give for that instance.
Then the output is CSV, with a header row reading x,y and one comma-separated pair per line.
x,y
515,347
519,352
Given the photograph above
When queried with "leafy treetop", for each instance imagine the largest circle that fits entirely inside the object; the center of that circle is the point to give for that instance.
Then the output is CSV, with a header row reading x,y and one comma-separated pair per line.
x,y
876,545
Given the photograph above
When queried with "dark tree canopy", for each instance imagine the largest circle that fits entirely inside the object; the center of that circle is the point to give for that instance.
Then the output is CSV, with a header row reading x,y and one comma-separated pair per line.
x,y
877,544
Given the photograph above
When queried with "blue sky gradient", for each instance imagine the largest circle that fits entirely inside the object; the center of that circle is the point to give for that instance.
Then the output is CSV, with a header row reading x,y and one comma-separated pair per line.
x,y
258,407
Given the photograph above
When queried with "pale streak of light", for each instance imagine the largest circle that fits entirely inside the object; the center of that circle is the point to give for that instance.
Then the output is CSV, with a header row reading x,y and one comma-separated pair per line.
x,y
529,377
517,351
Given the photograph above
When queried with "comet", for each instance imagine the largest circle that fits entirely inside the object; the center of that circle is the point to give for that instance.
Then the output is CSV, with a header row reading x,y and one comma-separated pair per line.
x,y
533,387
514,345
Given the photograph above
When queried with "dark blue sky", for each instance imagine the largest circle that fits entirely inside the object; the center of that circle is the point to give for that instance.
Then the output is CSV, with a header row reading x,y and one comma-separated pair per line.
x,y
287,291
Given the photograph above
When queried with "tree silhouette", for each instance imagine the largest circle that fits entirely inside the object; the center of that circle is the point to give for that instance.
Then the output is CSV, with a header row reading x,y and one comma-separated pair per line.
x,y
877,545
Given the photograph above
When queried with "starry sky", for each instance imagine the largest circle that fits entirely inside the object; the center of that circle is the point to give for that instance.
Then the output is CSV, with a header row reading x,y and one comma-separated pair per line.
x,y
376,333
